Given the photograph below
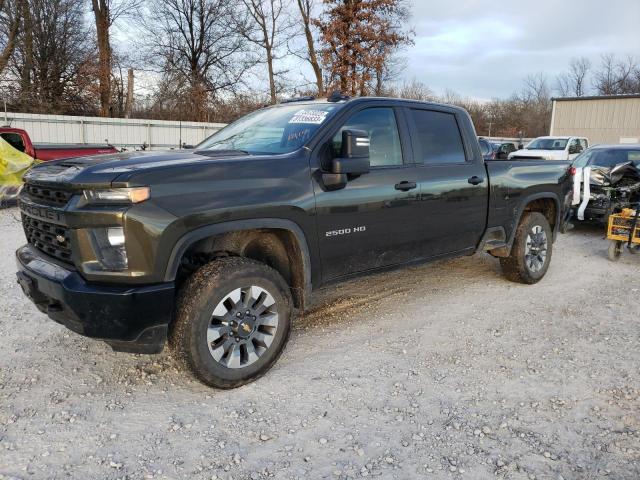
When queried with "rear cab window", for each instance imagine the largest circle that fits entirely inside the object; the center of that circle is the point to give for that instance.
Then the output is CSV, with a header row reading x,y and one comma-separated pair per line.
x,y
15,140
485,147
436,137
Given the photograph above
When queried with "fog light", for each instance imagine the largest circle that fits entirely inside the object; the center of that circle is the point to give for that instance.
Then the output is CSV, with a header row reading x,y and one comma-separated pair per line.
x,y
115,235
108,245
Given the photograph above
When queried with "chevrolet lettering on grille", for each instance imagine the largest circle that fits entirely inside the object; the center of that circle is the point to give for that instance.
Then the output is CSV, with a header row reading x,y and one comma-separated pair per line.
x,y
41,212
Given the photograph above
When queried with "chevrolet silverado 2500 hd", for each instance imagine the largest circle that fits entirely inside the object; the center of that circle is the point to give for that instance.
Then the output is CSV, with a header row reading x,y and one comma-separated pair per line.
x,y
214,249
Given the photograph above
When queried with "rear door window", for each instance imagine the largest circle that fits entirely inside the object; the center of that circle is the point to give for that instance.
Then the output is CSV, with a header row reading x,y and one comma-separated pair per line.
x,y
436,139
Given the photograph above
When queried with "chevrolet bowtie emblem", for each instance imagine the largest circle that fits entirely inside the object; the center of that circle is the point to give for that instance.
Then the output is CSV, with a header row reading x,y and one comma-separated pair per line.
x,y
60,239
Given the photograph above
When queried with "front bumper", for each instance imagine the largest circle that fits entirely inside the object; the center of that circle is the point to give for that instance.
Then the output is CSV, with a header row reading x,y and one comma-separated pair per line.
x,y
129,319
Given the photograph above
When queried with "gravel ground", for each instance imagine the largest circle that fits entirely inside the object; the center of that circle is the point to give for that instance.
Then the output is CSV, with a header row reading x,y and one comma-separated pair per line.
x,y
438,371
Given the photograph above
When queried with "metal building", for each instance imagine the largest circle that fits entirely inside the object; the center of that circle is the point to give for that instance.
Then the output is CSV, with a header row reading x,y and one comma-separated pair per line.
x,y
120,132
606,119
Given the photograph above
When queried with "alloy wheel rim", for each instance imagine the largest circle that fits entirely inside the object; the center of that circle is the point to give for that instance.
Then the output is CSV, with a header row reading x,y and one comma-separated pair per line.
x,y
535,253
243,326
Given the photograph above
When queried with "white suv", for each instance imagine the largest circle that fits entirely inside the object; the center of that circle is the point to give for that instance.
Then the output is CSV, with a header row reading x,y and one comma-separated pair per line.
x,y
552,148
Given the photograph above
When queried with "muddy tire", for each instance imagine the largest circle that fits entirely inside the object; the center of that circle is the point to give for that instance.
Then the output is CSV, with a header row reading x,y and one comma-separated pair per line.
x,y
615,250
531,251
633,249
233,319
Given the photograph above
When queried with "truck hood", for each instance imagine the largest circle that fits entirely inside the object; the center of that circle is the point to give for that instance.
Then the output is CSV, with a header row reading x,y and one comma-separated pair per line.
x,y
545,154
101,170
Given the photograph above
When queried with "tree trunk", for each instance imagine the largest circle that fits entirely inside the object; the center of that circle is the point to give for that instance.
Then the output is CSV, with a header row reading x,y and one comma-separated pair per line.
x,y
103,20
11,38
27,67
303,5
272,80
128,106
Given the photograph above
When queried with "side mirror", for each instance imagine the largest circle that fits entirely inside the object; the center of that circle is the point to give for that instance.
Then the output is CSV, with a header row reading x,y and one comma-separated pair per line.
x,y
575,149
354,155
352,162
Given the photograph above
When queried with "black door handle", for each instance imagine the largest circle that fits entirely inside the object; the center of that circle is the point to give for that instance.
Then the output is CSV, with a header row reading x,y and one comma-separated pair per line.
x,y
475,180
405,186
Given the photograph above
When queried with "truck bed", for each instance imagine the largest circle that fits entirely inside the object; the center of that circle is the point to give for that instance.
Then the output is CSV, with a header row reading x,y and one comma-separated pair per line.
x,y
513,183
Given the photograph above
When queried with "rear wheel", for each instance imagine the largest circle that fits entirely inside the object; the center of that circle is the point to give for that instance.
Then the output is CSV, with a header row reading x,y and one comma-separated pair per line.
x,y
531,252
615,250
233,320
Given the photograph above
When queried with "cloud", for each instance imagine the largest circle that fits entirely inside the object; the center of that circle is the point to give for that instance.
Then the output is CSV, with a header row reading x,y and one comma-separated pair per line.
x,y
485,49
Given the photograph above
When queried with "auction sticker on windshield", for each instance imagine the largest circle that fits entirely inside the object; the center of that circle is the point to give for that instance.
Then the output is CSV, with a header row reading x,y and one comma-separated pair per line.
x,y
309,116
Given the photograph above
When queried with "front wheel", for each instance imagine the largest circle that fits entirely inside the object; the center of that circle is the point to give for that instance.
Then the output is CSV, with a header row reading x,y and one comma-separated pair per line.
x,y
233,320
531,252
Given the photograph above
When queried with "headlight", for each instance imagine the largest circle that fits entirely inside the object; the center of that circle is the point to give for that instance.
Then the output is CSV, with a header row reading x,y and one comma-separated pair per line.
x,y
115,196
108,244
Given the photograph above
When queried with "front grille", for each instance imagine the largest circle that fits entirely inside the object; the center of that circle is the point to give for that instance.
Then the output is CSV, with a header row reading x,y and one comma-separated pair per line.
x,y
47,195
46,238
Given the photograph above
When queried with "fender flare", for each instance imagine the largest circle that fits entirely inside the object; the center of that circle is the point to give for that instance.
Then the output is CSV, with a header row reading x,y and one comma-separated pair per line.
x,y
527,200
205,231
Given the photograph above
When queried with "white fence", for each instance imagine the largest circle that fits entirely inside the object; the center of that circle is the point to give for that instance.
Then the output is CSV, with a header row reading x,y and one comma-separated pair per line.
x,y
120,132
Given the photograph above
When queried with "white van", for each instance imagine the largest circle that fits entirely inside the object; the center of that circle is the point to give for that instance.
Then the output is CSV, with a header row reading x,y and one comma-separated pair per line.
x,y
551,148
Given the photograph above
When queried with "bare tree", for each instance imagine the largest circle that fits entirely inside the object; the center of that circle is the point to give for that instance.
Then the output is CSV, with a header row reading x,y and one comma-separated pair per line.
x,y
27,41
306,11
196,45
105,13
617,77
102,15
535,99
605,77
574,82
10,15
53,60
536,89
269,28
414,90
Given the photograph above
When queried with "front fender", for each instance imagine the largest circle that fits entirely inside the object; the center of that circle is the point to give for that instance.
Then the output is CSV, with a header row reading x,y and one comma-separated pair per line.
x,y
200,233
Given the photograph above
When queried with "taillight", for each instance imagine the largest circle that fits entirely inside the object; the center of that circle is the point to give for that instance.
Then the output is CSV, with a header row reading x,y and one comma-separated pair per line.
x,y
573,171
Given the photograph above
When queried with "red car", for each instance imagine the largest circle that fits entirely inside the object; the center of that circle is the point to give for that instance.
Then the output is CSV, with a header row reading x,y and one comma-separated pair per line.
x,y
19,139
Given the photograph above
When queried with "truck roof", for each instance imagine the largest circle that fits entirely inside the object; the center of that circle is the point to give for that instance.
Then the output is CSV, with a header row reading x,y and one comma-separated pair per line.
x,y
345,101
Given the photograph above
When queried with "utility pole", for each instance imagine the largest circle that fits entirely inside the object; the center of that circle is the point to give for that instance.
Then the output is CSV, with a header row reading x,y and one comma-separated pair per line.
x,y
490,123
128,106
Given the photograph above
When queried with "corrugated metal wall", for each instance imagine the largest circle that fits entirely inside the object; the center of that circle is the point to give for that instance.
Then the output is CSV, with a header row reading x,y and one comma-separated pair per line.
x,y
601,120
120,132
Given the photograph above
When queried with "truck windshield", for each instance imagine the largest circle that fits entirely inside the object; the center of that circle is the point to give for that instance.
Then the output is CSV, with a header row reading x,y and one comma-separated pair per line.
x,y
548,144
280,129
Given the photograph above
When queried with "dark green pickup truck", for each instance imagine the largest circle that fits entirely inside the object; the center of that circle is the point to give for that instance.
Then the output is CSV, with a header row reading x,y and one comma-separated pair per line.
x,y
214,249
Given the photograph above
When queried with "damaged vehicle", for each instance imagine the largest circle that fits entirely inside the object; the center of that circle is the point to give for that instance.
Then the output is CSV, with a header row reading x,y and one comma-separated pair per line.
x,y
606,180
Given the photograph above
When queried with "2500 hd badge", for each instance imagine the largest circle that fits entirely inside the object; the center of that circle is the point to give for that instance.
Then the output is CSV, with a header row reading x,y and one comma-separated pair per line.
x,y
345,231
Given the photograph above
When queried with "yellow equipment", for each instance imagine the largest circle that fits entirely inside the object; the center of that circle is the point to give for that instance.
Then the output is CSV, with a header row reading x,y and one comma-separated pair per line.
x,y
624,228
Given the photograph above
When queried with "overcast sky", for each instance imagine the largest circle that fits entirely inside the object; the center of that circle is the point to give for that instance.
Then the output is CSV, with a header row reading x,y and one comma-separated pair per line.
x,y
483,49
